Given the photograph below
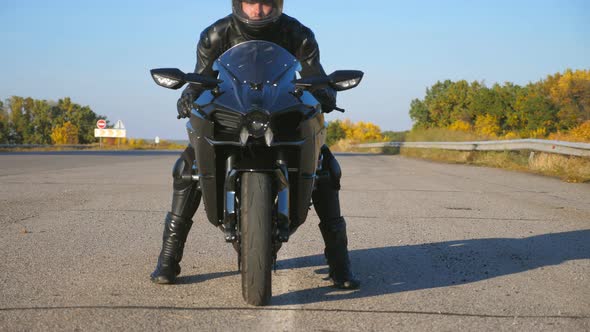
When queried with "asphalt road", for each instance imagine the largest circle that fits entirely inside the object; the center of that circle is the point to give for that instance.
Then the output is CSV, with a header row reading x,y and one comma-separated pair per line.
x,y
437,247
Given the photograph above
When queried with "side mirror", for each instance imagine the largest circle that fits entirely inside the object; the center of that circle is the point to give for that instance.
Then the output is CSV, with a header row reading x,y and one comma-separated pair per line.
x,y
173,78
339,80
342,80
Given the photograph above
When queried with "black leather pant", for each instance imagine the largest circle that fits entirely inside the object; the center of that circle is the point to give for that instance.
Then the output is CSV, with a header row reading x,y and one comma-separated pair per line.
x,y
186,200
326,201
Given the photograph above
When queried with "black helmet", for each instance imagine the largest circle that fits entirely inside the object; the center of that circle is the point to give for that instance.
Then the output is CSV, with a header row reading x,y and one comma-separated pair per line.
x,y
262,21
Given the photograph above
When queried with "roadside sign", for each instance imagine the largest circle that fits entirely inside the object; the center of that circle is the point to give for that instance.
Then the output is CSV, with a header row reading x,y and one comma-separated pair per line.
x,y
116,133
101,124
119,125
157,140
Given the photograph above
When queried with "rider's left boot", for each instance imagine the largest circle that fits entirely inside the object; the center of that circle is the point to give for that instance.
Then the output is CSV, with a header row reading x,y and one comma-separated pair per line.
x,y
336,252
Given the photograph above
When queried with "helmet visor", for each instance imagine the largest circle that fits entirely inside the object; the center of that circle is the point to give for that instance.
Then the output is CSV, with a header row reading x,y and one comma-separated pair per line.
x,y
257,13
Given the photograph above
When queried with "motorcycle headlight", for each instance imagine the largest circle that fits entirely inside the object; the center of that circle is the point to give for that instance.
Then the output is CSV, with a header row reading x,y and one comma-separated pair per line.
x,y
257,122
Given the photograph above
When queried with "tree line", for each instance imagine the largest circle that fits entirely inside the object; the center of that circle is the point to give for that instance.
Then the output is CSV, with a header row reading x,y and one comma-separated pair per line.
x,y
31,121
555,105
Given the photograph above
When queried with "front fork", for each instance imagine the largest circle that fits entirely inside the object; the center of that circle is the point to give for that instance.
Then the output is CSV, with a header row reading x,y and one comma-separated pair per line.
x,y
283,201
230,223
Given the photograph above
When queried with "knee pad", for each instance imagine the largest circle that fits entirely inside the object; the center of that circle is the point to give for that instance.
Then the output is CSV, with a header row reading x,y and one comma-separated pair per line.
x,y
332,166
181,169
335,173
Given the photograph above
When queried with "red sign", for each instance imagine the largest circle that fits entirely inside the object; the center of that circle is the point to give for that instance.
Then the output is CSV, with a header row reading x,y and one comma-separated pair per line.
x,y
101,124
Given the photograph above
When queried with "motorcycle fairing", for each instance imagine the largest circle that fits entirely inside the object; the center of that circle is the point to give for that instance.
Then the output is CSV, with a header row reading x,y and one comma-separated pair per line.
x,y
257,76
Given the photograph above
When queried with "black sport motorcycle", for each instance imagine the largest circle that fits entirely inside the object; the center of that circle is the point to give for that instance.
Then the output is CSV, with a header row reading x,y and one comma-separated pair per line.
x,y
257,133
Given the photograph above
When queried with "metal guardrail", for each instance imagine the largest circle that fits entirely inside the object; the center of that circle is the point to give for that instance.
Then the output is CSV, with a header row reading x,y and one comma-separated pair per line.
x,y
559,147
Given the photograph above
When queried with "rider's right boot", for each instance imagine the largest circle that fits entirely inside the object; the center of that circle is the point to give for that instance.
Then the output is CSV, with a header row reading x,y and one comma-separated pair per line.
x,y
186,198
175,232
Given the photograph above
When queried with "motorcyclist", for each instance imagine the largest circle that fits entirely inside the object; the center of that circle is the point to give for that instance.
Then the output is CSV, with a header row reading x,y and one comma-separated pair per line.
x,y
256,20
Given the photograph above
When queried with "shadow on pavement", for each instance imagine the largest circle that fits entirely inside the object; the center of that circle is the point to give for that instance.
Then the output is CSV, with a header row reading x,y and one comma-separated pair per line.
x,y
198,278
391,270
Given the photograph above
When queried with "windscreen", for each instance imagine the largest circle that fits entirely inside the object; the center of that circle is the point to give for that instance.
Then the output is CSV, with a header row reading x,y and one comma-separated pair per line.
x,y
257,74
257,61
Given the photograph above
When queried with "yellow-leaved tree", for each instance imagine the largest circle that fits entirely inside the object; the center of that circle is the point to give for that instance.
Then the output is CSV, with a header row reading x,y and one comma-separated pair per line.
x,y
487,125
361,131
460,125
582,132
367,131
66,134
571,92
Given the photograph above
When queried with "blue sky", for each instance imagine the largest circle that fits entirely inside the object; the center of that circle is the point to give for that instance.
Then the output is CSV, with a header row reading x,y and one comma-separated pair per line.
x,y
99,52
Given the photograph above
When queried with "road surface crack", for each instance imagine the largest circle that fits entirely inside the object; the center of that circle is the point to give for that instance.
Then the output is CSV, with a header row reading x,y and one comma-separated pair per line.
x,y
270,309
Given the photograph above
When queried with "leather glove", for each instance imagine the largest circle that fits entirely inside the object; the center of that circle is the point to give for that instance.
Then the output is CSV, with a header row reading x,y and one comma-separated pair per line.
x,y
326,97
184,106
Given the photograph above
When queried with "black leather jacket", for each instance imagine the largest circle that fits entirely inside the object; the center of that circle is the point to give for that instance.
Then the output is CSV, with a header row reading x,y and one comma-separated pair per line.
x,y
287,32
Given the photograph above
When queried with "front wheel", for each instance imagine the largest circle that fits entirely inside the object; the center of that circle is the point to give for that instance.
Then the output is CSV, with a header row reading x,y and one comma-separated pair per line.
x,y
256,237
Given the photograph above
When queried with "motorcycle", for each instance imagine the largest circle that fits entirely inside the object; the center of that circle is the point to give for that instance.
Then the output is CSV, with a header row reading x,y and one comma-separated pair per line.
x,y
257,132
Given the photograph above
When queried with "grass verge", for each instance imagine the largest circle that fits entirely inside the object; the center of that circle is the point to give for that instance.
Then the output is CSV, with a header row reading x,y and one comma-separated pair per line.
x,y
568,168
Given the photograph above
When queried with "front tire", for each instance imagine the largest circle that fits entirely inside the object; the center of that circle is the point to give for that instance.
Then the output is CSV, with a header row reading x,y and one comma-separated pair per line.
x,y
256,238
